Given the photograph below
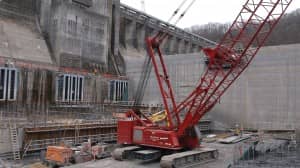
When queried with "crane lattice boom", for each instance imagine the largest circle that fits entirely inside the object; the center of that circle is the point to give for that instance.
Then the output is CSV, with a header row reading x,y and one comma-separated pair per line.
x,y
225,63
232,56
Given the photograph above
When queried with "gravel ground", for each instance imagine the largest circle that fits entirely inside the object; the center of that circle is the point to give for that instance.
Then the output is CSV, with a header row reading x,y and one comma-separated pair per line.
x,y
225,159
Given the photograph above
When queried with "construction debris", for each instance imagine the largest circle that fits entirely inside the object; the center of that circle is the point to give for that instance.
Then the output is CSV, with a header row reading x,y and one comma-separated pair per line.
x,y
58,155
234,139
65,155
210,138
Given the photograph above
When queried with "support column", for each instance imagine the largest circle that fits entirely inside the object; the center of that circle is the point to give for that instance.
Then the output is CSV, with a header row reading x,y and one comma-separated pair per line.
x,y
181,46
141,36
115,27
165,45
45,13
122,32
130,34
149,31
195,48
185,48
172,47
189,47
177,45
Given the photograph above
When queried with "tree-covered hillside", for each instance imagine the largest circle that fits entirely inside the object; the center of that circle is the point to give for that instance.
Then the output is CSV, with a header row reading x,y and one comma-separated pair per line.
x,y
286,32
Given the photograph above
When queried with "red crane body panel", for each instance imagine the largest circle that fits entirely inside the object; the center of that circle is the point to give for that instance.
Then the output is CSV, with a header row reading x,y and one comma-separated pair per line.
x,y
125,131
131,132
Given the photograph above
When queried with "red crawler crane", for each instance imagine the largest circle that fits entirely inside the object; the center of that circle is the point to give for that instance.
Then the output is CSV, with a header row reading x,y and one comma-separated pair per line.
x,y
225,63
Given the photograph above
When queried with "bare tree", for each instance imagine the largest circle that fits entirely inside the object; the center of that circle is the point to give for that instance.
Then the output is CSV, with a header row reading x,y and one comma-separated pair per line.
x,y
286,32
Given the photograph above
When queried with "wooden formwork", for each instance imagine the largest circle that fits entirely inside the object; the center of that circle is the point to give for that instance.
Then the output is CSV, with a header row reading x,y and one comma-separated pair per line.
x,y
38,138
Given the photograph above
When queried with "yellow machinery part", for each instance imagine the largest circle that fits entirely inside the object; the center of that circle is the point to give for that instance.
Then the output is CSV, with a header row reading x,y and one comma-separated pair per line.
x,y
159,117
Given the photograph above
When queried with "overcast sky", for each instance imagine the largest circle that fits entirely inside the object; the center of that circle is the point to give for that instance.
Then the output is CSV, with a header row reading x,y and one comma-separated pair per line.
x,y
202,12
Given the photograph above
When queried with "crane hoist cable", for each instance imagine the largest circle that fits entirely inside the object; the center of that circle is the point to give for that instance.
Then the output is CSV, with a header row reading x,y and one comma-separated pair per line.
x,y
176,11
162,35
184,12
147,66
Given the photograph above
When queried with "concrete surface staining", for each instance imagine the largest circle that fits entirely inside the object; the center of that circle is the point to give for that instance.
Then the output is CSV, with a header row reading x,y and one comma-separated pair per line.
x,y
21,41
184,71
79,35
265,96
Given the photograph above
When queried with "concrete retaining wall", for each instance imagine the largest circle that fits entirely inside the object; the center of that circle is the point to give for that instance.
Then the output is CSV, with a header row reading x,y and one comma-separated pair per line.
x,y
266,96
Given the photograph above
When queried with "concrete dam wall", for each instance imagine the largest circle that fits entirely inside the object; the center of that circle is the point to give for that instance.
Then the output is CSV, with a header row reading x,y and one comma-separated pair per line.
x,y
92,38
266,96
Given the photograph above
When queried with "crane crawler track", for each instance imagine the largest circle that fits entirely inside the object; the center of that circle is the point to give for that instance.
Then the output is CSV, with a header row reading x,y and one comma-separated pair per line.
x,y
124,152
189,158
